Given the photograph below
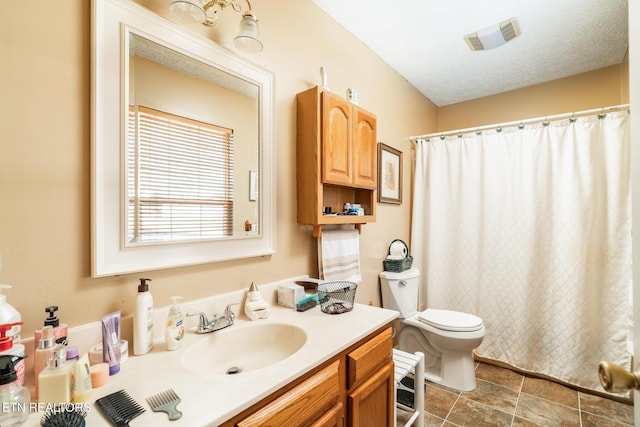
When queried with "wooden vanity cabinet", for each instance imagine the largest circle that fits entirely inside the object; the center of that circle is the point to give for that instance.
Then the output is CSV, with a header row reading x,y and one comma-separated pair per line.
x,y
354,388
336,159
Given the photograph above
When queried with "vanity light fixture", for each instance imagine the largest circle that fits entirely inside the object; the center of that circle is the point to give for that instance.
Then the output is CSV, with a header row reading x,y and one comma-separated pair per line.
x,y
207,13
493,36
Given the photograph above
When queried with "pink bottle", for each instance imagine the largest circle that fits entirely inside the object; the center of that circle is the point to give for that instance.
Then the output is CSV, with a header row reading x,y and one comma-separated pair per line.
x,y
59,329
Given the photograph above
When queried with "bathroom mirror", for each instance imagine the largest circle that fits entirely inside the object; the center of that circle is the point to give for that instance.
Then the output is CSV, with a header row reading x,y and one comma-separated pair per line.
x,y
162,95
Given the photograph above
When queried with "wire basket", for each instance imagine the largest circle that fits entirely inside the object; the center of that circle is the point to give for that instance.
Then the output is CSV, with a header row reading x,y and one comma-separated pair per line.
x,y
397,265
336,297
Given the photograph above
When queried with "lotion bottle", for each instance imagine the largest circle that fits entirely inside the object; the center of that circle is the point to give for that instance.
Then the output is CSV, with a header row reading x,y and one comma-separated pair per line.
x,y
143,320
174,332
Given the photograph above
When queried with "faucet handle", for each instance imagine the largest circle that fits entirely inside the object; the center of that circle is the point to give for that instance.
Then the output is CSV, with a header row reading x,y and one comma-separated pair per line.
x,y
204,321
228,313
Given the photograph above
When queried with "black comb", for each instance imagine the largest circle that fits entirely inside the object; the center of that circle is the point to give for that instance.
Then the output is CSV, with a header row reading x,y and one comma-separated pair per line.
x,y
119,408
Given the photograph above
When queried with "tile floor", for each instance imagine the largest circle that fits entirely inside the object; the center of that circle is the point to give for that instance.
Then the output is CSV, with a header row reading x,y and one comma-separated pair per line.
x,y
507,398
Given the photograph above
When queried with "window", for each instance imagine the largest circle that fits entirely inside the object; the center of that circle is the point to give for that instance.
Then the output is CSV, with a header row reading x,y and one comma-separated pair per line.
x,y
180,178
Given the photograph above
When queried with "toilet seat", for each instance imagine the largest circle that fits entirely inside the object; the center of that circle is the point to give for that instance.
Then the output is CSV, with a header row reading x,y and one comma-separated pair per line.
x,y
449,320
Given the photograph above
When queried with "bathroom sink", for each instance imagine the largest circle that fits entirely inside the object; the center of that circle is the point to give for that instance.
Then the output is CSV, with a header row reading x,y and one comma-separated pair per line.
x,y
243,348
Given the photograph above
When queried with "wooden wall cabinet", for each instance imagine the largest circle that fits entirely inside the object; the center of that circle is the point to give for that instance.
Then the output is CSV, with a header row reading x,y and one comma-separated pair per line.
x,y
336,159
355,388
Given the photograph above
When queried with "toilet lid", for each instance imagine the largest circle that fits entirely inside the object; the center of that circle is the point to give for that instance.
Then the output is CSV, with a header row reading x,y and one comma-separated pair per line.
x,y
450,320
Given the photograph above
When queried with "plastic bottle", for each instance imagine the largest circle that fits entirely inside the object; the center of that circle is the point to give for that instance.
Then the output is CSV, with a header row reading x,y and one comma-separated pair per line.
x,y
59,329
7,347
14,398
43,353
54,381
143,320
174,332
81,390
8,314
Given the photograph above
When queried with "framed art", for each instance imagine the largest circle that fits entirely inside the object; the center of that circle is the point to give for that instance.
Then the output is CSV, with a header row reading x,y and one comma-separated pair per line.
x,y
389,174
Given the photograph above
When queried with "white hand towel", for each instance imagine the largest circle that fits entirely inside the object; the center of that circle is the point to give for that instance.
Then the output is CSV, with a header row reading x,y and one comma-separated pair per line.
x,y
339,255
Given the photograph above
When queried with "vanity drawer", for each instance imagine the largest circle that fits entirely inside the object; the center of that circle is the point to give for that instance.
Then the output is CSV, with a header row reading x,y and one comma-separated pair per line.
x,y
304,404
369,357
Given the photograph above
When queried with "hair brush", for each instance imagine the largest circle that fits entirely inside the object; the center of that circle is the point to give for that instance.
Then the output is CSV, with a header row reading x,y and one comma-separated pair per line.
x,y
64,417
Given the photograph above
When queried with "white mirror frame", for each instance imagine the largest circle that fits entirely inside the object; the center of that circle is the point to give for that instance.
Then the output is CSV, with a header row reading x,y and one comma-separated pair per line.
x,y
111,21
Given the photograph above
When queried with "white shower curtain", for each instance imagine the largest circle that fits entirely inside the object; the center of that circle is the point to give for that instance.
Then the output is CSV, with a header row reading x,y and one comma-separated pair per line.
x,y
529,228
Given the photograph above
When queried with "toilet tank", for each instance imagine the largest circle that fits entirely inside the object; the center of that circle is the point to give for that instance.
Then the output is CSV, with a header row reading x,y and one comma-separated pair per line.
x,y
400,291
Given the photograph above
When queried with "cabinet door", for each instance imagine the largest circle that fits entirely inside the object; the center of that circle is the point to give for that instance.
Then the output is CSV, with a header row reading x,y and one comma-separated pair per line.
x,y
364,150
336,133
372,404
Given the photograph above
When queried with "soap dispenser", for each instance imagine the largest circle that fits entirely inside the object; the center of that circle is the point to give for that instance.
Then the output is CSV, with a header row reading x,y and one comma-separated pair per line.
x,y
175,325
255,307
143,320
59,329
14,398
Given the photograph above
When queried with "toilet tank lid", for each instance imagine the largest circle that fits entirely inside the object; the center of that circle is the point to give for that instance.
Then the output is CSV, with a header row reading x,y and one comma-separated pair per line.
x,y
403,275
449,320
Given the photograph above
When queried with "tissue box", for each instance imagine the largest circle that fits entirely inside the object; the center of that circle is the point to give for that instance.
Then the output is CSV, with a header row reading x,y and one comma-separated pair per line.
x,y
289,295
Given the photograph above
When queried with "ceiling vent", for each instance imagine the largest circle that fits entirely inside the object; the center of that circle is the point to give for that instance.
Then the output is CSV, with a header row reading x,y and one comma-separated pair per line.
x,y
493,36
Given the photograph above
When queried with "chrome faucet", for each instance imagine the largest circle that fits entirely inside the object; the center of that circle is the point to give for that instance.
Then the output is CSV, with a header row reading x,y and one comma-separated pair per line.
x,y
218,322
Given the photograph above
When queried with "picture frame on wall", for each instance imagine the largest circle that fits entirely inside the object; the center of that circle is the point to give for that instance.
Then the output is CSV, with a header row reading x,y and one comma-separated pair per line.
x,y
389,174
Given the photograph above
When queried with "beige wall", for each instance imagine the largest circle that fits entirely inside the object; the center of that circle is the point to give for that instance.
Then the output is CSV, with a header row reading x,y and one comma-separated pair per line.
x,y
45,156
600,88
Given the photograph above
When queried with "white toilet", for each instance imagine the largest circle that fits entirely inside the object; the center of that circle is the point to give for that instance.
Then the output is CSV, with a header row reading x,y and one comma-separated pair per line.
x,y
447,338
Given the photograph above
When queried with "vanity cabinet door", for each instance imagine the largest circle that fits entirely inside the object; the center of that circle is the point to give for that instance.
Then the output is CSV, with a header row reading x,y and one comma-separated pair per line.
x,y
306,404
372,404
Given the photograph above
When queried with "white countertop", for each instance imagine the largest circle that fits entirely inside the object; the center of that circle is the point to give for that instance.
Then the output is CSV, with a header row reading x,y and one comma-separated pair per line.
x,y
210,400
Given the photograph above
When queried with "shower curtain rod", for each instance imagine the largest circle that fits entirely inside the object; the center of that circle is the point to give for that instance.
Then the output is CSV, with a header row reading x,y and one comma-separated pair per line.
x,y
601,110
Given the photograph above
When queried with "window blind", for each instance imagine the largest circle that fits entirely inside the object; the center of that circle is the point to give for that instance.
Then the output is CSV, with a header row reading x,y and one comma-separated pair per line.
x,y
179,178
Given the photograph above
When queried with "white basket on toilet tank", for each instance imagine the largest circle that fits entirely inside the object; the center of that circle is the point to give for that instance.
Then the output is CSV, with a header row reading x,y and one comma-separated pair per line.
x,y
447,338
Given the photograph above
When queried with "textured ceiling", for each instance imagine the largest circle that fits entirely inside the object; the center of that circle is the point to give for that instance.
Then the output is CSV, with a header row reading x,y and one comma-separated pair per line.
x,y
423,41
